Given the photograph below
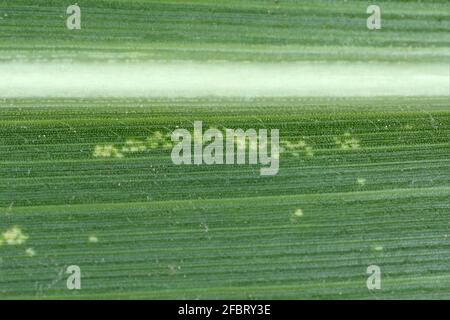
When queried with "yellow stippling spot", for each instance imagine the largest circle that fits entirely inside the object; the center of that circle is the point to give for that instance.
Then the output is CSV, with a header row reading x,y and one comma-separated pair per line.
x,y
107,151
93,239
173,269
30,252
158,136
378,248
158,139
300,144
9,209
152,144
309,151
361,181
298,213
14,236
287,145
134,146
347,142
294,148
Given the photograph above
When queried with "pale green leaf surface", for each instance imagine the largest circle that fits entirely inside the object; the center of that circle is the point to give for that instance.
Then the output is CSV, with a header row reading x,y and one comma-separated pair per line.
x,y
141,227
